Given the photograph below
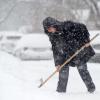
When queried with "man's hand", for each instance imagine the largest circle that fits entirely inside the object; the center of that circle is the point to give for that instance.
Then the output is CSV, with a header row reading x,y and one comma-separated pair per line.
x,y
87,45
58,68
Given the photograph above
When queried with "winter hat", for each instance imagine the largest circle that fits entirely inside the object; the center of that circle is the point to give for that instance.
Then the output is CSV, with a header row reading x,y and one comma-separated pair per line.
x,y
51,22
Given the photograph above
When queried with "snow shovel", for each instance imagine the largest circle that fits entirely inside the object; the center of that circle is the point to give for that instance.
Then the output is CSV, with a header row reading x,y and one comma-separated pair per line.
x,y
67,61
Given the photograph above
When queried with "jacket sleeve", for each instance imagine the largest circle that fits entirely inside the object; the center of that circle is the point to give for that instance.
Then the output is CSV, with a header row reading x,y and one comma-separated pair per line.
x,y
58,57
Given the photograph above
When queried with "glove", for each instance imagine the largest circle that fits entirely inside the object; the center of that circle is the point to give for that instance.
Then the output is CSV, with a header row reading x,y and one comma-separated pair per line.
x,y
58,68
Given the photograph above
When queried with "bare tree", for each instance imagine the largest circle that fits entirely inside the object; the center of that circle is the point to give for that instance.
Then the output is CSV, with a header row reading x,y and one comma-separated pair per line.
x,y
94,10
8,13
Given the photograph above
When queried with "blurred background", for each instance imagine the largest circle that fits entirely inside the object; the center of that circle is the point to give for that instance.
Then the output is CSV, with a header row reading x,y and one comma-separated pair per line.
x,y
21,24
27,15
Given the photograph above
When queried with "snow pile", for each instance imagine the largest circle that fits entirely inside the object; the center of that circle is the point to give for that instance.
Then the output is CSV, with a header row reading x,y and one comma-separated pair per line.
x,y
34,40
34,47
19,81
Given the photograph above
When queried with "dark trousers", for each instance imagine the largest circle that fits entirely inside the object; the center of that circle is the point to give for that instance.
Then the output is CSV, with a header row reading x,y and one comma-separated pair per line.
x,y
84,73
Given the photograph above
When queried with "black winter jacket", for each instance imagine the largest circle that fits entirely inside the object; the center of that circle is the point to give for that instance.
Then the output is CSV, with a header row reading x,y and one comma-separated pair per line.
x,y
70,37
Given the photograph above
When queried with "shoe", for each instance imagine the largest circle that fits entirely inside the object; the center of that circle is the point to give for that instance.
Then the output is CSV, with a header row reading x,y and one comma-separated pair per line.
x,y
61,91
91,88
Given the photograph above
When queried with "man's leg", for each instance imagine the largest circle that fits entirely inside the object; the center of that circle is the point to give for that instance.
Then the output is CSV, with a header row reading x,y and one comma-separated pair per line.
x,y
63,79
84,73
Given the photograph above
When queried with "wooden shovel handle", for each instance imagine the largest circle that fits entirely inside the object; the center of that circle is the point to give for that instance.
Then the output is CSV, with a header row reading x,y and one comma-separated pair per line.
x,y
67,61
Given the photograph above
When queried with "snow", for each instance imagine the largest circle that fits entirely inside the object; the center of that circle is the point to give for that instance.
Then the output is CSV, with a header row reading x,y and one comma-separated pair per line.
x,y
10,33
19,80
92,33
37,47
34,40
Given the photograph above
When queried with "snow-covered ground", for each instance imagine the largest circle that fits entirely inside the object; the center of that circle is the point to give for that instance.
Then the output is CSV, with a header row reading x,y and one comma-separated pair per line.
x,y
19,81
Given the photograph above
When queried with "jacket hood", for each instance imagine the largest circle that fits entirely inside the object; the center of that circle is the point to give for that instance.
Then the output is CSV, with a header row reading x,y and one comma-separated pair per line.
x,y
49,21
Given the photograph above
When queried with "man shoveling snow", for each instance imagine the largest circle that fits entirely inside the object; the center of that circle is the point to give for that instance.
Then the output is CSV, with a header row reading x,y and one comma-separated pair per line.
x,y
66,38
